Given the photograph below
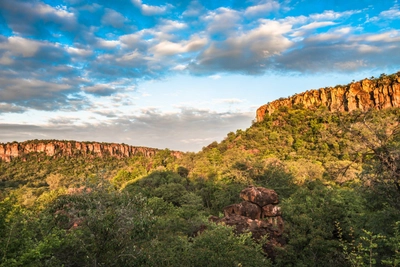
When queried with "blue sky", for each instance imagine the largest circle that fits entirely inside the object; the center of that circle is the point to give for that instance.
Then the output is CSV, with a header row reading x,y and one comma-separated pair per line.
x,y
177,74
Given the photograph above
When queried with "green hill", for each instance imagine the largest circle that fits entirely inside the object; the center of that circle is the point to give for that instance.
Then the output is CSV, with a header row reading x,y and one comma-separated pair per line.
x,y
337,175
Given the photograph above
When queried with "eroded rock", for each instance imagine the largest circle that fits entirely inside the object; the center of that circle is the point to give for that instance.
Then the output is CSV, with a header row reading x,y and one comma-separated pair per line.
x,y
258,214
54,148
270,211
259,195
245,208
364,95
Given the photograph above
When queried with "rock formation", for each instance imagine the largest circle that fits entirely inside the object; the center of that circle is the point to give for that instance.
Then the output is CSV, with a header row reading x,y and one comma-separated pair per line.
x,y
258,214
54,148
380,93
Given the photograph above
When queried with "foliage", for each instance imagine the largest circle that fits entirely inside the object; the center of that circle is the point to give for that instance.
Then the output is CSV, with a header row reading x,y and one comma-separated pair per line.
x,y
216,246
96,226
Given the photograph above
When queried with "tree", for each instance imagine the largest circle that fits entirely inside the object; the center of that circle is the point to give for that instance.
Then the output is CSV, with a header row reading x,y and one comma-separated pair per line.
x,y
215,157
216,246
106,227
375,139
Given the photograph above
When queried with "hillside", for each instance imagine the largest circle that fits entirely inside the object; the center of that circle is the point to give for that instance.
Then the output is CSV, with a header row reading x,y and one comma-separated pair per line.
x,y
336,172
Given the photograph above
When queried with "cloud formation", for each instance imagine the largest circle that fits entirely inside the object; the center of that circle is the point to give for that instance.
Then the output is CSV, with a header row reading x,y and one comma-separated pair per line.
x,y
178,130
262,8
81,48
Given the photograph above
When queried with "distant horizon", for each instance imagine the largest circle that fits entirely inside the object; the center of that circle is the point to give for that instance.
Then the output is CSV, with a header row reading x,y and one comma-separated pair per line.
x,y
81,141
178,74
161,148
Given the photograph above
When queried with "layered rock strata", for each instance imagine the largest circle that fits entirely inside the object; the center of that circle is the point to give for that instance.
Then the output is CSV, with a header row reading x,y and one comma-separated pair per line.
x,y
9,151
367,94
258,214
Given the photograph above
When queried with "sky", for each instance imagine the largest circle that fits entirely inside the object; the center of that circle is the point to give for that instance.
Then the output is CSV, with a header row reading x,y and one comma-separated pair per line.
x,y
177,74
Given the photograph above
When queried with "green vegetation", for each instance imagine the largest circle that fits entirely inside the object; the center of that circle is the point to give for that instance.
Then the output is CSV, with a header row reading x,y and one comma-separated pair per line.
x,y
337,176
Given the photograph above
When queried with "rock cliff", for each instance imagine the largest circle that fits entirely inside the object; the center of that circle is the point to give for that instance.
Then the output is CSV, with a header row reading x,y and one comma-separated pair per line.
x,y
258,214
55,148
380,93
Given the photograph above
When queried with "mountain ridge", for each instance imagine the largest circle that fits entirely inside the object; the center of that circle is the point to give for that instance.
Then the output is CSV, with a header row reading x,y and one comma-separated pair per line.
x,y
54,148
375,93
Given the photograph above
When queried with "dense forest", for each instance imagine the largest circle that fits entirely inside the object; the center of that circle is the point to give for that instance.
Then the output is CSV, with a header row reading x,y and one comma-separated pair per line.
x,y
337,176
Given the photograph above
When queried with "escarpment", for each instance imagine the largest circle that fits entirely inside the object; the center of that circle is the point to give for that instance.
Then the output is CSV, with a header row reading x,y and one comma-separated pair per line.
x,y
380,93
52,148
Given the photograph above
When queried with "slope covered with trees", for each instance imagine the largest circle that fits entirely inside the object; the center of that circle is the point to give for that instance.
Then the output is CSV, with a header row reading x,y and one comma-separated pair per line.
x,y
337,176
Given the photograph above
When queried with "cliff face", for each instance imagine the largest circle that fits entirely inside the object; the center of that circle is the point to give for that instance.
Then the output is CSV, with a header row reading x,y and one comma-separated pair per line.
x,y
380,93
71,148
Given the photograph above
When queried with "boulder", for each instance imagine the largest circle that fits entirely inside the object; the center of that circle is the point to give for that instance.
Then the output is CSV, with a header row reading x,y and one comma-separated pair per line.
x,y
259,195
245,208
257,214
270,211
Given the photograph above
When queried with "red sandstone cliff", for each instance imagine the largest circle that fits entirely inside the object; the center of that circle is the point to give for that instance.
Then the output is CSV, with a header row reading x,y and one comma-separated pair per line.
x,y
380,93
55,148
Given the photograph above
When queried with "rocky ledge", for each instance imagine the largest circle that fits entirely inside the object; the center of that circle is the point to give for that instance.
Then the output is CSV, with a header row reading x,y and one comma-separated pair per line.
x,y
55,148
380,93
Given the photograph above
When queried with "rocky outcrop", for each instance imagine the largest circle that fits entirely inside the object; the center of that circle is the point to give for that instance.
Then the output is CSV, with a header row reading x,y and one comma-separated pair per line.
x,y
259,195
258,214
52,148
380,93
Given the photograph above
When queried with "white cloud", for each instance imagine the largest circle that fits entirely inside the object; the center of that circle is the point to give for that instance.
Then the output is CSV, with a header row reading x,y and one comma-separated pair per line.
x,y
113,18
78,51
350,65
33,92
99,89
363,48
91,8
390,36
165,48
262,9
195,9
324,37
10,108
315,25
228,101
332,15
129,56
21,46
107,43
215,77
391,14
131,40
59,11
6,58
153,10
223,20
246,52
344,30
179,67
166,25
64,120
149,10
